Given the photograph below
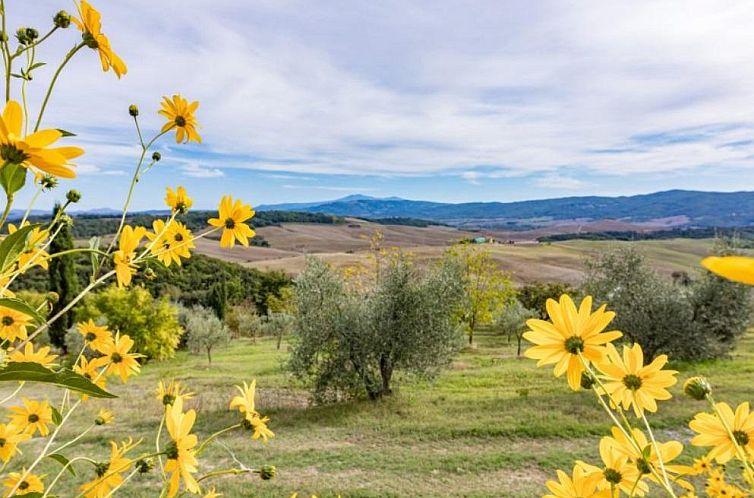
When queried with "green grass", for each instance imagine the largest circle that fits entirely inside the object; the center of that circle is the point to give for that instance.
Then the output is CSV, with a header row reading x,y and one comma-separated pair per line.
x,y
492,425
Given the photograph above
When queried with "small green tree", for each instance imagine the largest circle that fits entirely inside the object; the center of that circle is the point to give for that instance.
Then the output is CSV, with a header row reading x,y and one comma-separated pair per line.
x,y
534,296
151,323
512,322
218,298
277,325
205,331
486,288
62,279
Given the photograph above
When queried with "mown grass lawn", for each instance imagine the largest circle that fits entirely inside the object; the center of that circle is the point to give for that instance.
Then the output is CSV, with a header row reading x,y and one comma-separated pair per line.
x,y
491,426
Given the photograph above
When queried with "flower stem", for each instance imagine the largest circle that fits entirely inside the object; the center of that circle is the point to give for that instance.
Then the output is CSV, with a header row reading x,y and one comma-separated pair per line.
x,y
48,94
214,436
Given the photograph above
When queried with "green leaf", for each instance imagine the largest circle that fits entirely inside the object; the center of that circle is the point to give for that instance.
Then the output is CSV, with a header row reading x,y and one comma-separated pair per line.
x,y
34,372
12,178
66,133
22,307
36,65
62,460
13,245
56,416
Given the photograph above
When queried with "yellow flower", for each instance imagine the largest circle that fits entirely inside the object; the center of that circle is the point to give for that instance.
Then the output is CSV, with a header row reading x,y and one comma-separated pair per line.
x,y
245,402
11,435
181,461
212,494
178,201
736,268
231,218
33,256
711,431
180,114
91,370
568,334
258,426
118,359
580,485
645,458
4,291
632,384
109,474
123,257
618,473
33,416
174,242
33,150
28,355
90,25
30,484
168,392
13,324
104,417
96,336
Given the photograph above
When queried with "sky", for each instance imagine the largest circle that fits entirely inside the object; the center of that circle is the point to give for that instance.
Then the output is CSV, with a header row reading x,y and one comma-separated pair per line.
x,y
437,100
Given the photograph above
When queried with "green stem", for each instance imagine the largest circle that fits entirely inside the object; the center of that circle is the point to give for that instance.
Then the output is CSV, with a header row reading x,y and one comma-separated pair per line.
x,y
48,94
65,467
215,436
6,54
33,45
225,472
66,445
13,394
656,447
6,212
31,205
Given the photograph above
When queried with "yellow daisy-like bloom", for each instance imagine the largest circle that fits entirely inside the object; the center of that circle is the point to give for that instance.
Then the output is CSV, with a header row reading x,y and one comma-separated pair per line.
x,y
245,402
180,115
104,417
33,256
736,268
174,242
30,484
13,324
570,333
33,150
631,384
258,426
231,218
11,435
108,475
90,25
618,473
28,355
96,336
178,201
212,494
168,392
33,416
4,291
668,452
92,370
581,485
181,461
118,359
711,431
130,238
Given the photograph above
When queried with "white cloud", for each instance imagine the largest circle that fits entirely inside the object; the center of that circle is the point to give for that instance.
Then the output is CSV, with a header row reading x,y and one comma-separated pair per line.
x,y
330,188
194,170
559,182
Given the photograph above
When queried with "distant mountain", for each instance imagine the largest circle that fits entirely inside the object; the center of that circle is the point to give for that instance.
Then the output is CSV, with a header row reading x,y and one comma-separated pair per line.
x,y
301,206
685,207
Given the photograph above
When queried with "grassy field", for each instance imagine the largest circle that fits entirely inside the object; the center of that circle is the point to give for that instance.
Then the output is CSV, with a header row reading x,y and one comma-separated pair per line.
x,y
491,426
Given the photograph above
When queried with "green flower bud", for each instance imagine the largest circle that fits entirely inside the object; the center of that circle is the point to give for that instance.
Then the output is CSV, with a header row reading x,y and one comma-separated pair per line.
x,y
133,110
144,465
73,196
48,182
697,388
53,297
62,19
267,472
587,381
150,274
156,156
22,35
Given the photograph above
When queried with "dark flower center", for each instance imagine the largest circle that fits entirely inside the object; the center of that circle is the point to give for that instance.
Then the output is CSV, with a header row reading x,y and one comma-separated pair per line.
x,y
741,437
11,154
172,451
168,399
2,442
230,223
632,382
8,321
116,357
33,418
613,476
91,336
101,468
180,121
23,485
574,344
178,237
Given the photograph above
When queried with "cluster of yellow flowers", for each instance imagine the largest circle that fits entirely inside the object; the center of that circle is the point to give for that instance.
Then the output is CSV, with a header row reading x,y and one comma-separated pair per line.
x,y
27,150
576,341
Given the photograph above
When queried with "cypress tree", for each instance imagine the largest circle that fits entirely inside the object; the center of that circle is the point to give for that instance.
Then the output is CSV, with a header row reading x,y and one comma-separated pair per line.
x,y
63,280
218,299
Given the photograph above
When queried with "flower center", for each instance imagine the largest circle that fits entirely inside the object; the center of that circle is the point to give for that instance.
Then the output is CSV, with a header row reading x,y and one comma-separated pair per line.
x,y
11,154
23,485
8,321
2,442
178,237
168,400
101,468
632,382
180,121
116,357
230,223
33,418
91,336
643,466
574,344
613,476
89,40
172,451
741,437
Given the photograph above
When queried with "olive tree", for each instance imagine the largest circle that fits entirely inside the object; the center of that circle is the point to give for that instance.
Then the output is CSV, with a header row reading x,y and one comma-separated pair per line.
x,y
348,342
205,331
512,322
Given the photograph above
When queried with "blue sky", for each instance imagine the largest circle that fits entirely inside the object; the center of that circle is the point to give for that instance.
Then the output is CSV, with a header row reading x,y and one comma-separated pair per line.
x,y
446,101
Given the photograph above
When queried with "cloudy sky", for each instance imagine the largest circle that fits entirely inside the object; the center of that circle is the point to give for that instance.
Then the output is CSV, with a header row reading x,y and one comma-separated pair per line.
x,y
440,100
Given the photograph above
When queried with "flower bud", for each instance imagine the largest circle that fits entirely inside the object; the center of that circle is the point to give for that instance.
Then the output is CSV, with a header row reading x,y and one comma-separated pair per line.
x,y
150,274
144,465
53,297
104,417
62,19
133,110
65,220
22,35
267,472
156,156
587,381
3,36
48,182
697,388
73,196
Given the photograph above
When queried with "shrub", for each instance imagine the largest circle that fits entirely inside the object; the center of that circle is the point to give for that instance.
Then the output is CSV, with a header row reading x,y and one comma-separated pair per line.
x,y
277,325
205,331
242,321
534,296
346,343
512,322
151,323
